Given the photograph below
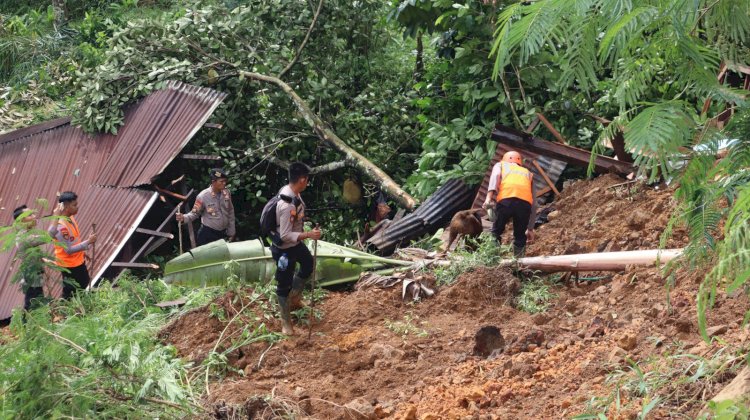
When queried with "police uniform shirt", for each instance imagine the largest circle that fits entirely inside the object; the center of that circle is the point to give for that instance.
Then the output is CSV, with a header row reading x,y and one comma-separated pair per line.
x,y
291,219
215,210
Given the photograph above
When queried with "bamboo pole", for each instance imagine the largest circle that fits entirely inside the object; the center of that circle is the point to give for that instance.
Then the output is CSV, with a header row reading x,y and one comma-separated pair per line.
x,y
600,261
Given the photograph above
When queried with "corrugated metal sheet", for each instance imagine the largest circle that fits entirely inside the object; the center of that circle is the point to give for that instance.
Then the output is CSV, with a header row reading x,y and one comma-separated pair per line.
x,y
40,161
552,167
433,214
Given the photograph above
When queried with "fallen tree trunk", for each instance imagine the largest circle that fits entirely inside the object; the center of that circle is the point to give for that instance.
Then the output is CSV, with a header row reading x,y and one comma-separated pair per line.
x,y
351,156
601,261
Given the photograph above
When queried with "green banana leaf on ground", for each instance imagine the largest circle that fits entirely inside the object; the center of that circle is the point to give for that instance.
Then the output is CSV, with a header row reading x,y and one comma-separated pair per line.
x,y
207,265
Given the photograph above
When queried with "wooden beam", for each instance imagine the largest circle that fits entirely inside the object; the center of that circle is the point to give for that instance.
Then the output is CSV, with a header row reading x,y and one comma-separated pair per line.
x,y
169,218
546,178
191,233
551,128
134,265
535,122
167,304
213,125
543,191
200,157
155,233
569,154
170,193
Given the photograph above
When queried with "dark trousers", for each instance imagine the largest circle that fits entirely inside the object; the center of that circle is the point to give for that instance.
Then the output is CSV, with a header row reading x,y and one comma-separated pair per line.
x,y
208,235
518,210
296,254
31,294
78,276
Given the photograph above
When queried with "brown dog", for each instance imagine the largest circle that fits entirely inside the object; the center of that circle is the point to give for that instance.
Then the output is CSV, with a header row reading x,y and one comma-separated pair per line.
x,y
465,222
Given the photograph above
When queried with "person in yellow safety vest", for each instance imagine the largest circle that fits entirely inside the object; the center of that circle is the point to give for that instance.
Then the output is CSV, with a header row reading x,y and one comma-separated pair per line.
x,y
511,191
69,248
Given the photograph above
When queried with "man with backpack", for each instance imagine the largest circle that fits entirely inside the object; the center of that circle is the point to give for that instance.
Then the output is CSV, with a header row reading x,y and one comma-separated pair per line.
x,y
285,227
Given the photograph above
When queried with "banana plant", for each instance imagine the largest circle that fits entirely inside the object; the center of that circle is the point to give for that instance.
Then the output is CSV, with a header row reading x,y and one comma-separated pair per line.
x,y
207,265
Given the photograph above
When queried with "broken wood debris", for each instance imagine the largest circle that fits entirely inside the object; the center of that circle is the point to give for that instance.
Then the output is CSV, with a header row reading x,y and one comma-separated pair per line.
x,y
412,288
569,154
546,178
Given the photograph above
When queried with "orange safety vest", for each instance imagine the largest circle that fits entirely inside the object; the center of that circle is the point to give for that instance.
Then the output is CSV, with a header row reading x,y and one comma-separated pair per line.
x,y
515,182
72,260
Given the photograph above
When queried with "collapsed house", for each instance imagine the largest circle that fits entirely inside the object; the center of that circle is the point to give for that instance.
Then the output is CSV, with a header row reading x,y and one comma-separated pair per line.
x,y
112,175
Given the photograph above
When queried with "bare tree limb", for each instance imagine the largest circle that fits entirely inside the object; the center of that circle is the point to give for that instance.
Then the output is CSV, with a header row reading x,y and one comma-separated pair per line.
x,y
304,41
328,167
351,156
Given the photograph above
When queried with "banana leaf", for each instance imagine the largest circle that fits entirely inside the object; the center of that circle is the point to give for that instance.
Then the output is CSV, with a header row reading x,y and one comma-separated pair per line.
x,y
251,261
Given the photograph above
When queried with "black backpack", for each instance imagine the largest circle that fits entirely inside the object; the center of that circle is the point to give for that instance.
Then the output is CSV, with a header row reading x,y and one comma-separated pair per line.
x,y
268,222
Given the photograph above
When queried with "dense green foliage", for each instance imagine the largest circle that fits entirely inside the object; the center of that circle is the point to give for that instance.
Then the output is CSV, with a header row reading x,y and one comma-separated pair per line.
x,y
98,355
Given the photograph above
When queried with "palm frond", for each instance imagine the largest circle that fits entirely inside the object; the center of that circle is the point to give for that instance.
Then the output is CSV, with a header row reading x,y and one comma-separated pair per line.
x,y
656,135
578,64
526,29
623,31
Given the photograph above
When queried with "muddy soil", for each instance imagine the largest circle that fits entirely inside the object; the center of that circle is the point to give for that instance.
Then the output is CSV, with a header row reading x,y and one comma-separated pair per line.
x,y
375,356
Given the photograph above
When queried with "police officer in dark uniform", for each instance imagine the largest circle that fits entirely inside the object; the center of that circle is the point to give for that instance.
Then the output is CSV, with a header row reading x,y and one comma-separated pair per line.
x,y
214,207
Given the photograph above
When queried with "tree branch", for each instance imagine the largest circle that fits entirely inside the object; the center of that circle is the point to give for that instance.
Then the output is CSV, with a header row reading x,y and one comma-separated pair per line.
x,y
328,167
351,156
304,41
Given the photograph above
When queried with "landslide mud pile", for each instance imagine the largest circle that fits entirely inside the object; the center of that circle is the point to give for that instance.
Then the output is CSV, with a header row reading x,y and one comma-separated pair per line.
x,y
375,356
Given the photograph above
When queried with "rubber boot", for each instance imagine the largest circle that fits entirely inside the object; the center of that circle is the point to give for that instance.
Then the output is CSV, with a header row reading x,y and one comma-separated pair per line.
x,y
286,316
519,252
295,296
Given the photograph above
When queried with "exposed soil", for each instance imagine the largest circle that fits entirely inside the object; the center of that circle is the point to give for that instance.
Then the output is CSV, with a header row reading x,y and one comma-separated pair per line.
x,y
385,358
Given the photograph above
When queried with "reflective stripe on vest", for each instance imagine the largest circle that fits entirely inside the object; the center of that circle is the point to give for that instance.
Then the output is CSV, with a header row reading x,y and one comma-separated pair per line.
x,y
72,260
515,182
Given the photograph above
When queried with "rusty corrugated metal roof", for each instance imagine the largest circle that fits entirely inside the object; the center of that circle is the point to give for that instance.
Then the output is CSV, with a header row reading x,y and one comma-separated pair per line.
x,y
40,161
552,167
433,214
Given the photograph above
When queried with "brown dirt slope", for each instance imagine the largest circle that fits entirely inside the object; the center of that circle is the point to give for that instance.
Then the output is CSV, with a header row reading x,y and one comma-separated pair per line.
x,y
384,358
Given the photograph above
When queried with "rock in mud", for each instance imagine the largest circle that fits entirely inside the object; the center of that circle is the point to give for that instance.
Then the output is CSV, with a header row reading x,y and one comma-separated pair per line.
x,y
717,330
360,409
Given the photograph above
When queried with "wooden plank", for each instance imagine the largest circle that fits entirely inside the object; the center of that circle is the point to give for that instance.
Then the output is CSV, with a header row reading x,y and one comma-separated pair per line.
x,y
176,302
134,265
551,128
535,122
546,178
170,193
543,191
213,125
160,228
569,154
191,233
155,233
200,157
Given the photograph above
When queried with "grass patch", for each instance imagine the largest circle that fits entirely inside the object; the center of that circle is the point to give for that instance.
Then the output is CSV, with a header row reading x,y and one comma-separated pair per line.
x,y
667,383
535,294
408,327
482,252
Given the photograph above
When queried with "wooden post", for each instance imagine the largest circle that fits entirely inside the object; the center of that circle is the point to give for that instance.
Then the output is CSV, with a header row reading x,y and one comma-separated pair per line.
x,y
546,178
551,128
191,233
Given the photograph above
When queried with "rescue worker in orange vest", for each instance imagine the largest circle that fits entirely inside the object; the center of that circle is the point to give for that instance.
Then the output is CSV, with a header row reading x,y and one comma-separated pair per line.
x,y
69,248
511,191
